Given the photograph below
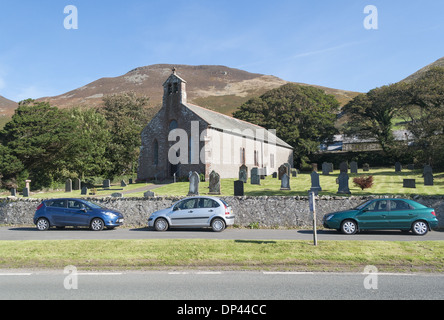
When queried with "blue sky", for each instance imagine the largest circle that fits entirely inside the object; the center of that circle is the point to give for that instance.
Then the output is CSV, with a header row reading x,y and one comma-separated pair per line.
x,y
316,42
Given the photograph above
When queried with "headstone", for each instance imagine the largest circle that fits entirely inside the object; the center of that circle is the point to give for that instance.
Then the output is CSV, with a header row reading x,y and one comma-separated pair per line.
x,y
281,171
409,183
149,194
288,168
243,176
398,167
343,167
130,181
366,167
294,173
84,191
331,166
285,182
76,184
13,192
117,195
427,169
353,167
25,192
315,185
255,177
343,183
68,185
123,183
325,169
106,183
27,184
214,182
194,184
244,167
275,175
428,179
238,188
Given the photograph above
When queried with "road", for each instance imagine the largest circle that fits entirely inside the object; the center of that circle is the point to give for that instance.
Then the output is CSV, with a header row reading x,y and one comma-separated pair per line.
x,y
31,233
220,286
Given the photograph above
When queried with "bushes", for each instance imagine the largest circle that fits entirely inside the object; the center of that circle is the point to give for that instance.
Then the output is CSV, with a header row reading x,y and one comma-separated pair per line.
x,y
363,182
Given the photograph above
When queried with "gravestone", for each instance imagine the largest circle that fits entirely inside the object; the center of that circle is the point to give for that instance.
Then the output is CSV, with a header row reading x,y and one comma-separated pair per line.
x,y
245,168
76,183
275,175
194,184
331,167
325,169
117,195
149,194
255,177
106,183
214,183
243,176
353,167
84,191
27,184
409,183
25,192
343,167
366,167
130,181
314,167
238,188
343,183
13,192
428,179
427,169
288,168
398,167
281,171
68,185
315,185
285,182
294,173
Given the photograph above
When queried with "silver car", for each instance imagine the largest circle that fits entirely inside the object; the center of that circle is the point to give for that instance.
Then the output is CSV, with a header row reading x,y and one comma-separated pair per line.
x,y
194,212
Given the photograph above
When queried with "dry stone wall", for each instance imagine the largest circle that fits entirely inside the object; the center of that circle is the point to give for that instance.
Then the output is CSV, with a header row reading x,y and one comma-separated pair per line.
x,y
266,212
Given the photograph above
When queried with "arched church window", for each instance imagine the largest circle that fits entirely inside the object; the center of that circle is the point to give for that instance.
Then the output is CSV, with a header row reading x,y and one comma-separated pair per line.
x,y
173,125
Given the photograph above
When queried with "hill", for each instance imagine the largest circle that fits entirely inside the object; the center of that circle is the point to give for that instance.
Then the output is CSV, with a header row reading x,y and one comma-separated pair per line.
x,y
218,88
419,73
7,108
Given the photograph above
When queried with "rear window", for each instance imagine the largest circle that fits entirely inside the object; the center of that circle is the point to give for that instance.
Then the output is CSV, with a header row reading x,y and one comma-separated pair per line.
x,y
55,203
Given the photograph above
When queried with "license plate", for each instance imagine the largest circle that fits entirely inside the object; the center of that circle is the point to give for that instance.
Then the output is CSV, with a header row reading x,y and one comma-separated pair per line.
x,y
119,220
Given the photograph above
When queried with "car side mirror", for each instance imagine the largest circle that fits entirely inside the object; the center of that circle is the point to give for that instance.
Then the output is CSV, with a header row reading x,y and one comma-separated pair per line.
x,y
175,208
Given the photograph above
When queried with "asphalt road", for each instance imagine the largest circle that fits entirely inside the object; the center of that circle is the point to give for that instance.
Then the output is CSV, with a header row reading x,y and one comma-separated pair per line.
x,y
31,233
221,286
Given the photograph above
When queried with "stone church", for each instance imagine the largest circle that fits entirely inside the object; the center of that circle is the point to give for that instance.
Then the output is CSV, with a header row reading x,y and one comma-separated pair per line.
x,y
184,137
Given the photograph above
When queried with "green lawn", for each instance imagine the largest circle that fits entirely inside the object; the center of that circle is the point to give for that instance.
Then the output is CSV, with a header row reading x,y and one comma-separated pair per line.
x,y
386,182
328,256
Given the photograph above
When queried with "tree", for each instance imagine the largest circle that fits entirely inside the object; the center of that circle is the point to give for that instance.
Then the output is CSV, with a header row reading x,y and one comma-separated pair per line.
x,y
424,114
39,137
303,116
127,115
370,115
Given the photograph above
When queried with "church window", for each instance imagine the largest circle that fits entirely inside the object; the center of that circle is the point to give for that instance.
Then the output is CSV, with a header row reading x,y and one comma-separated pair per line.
x,y
173,125
170,88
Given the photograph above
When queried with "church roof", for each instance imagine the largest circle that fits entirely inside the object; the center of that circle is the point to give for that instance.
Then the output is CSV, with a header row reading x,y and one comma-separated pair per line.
x,y
226,123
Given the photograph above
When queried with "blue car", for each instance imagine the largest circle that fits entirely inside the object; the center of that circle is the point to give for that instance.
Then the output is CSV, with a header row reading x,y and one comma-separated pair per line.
x,y
61,213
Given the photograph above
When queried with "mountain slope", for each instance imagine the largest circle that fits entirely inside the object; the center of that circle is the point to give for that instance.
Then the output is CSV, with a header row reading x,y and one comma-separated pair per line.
x,y
419,73
215,87
7,106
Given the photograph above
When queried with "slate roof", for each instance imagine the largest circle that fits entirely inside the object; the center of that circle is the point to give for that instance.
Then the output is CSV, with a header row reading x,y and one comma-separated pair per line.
x,y
226,123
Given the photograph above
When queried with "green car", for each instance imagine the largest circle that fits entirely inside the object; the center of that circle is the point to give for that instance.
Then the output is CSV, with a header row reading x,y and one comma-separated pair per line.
x,y
380,214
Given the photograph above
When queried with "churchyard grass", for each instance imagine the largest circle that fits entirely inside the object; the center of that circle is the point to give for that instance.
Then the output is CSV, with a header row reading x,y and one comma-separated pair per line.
x,y
386,182
176,254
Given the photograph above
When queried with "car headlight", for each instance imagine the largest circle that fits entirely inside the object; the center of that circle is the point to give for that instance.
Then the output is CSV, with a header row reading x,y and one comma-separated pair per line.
x,y
110,214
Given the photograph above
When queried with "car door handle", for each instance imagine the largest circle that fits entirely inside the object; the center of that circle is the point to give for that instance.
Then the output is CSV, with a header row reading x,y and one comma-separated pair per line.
x,y
210,210
191,211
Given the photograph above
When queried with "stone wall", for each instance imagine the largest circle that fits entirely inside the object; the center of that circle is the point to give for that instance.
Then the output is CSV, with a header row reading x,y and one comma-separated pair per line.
x,y
267,212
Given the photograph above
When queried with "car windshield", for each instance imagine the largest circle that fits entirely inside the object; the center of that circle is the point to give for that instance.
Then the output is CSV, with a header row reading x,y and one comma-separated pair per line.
x,y
93,205
363,205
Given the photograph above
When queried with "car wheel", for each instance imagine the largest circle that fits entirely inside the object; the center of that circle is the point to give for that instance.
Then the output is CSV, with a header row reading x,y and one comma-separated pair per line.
x,y
161,225
349,227
420,228
97,224
217,225
42,224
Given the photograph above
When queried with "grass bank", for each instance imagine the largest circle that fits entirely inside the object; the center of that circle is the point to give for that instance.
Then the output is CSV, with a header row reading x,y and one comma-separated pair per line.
x,y
329,256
